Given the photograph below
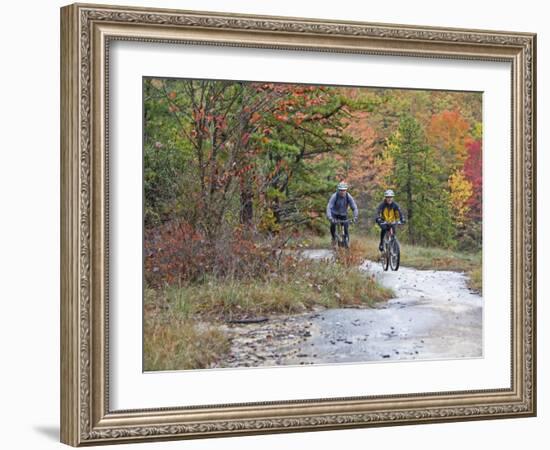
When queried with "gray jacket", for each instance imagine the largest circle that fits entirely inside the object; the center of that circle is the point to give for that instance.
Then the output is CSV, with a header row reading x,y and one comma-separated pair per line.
x,y
339,206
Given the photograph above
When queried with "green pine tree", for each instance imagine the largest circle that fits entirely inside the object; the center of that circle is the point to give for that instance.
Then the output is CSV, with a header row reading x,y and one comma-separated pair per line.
x,y
416,179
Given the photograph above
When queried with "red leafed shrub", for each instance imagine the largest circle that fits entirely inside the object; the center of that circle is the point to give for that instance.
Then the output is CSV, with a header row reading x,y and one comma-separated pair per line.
x,y
176,252
172,253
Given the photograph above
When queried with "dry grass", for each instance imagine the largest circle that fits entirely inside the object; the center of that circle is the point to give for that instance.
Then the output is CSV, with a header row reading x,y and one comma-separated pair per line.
x,y
354,256
411,256
173,341
297,288
475,280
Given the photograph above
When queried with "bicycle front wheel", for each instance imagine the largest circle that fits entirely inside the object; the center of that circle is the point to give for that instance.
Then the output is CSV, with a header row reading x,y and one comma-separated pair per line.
x,y
395,255
385,257
346,241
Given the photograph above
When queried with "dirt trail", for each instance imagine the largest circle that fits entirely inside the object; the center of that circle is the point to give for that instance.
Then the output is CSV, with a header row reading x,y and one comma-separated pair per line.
x,y
433,316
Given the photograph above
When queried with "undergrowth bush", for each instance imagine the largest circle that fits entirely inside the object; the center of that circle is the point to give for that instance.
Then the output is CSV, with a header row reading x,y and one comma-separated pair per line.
x,y
176,252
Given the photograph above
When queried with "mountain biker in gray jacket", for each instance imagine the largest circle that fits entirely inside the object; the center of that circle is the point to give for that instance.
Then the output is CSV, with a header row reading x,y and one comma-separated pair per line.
x,y
337,209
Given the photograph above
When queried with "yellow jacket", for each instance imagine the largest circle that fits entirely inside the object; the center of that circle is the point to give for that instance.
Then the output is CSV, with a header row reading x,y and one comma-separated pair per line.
x,y
389,213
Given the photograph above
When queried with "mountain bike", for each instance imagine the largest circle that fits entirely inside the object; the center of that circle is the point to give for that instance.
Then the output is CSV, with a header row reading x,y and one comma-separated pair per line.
x,y
391,254
341,238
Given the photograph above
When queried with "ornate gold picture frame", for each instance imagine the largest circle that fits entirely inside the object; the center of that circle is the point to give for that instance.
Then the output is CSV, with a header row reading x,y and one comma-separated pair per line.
x,y
87,31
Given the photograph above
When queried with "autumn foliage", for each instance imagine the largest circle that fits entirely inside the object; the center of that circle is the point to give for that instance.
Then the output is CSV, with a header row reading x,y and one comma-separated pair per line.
x,y
233,169
448,133
473,172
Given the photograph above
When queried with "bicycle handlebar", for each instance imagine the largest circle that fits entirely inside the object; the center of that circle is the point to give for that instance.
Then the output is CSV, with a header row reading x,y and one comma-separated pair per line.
x,y
336,221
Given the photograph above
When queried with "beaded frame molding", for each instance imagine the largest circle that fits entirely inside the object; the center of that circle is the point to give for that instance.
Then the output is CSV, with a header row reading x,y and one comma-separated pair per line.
x,y
86,33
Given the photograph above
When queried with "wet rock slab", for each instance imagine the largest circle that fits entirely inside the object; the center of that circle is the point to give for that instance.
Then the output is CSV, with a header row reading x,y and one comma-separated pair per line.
x,y
434,316
270,343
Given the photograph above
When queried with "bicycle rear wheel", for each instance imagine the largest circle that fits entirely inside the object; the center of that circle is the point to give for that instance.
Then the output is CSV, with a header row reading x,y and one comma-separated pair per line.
x,y
395,254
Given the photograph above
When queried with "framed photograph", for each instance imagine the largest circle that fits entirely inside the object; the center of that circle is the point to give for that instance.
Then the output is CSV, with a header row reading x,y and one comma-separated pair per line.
x,y
275,224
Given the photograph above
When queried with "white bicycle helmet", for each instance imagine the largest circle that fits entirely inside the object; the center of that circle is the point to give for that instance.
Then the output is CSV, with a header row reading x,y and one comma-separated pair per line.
x,y
389,193
342,186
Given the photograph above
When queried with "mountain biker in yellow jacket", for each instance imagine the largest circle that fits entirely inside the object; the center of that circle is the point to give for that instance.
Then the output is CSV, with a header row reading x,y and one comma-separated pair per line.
x,y
337,209
387,212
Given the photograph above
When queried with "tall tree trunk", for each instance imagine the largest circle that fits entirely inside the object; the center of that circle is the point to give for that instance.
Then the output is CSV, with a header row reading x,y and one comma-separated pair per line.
x,y
409,202
247,205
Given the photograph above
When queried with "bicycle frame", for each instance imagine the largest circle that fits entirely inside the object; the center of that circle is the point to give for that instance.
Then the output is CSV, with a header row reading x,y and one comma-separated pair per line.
x,y
392,224
340,233
342,222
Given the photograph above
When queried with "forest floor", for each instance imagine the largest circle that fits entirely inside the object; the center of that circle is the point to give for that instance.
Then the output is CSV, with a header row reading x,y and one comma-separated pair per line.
x,y
326,306
432,315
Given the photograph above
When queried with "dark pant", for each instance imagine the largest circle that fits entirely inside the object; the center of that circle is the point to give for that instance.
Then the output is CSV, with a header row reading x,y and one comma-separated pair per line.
x,y
333,226
384,227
